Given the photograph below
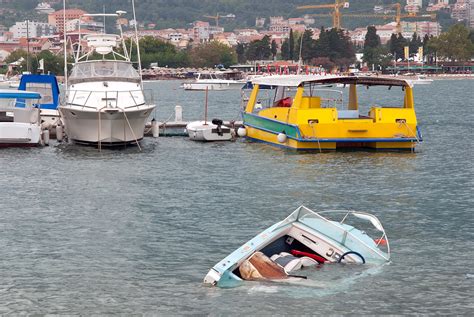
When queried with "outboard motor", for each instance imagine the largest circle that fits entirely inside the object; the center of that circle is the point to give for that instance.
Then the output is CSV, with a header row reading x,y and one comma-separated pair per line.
x,y
218,123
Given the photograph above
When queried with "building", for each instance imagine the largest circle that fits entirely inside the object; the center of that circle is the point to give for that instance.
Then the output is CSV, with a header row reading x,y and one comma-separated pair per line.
x,y
413,6
461,10
203,31
57,18
260,22
471,14
44,8
437,5
32,29
73,25
421,28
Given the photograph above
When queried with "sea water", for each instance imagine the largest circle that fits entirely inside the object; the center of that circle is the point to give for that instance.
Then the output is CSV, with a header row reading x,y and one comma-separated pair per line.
x,y
123,231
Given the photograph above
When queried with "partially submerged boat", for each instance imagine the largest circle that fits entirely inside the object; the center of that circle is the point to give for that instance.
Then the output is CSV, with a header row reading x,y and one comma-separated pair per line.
x,y
300,113
19,119
303,239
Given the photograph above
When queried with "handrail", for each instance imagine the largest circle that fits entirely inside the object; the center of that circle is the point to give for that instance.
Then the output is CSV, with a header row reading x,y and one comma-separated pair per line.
x,y
105,96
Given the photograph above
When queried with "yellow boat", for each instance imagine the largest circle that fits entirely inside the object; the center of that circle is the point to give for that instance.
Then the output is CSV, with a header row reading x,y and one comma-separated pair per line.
x,y
293,112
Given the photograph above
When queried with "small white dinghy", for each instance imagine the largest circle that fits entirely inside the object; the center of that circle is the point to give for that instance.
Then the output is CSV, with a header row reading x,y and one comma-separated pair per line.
x,y
209,131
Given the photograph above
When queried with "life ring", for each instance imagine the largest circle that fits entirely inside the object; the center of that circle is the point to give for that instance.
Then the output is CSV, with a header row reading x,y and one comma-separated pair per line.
x,y
352,252
381,241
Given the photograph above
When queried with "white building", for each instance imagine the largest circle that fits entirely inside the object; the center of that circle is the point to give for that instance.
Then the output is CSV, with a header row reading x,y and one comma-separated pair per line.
x,y
32,29
413,6
471,14
44,8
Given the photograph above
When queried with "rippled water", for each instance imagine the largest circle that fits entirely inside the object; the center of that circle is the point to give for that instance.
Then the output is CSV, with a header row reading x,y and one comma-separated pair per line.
x,y
128,232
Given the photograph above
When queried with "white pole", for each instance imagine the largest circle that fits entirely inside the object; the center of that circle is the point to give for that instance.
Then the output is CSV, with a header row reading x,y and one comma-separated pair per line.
x,y
138,46
65,46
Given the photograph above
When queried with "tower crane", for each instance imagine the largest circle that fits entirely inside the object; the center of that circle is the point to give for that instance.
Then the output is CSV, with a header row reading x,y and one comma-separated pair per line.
x,y
336,14
215,17
398,16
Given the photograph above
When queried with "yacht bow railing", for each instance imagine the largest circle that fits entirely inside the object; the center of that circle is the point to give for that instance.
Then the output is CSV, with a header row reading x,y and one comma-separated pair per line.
x,y
109,98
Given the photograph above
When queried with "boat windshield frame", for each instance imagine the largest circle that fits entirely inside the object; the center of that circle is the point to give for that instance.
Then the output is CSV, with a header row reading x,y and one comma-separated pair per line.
x,y
304,80
109,70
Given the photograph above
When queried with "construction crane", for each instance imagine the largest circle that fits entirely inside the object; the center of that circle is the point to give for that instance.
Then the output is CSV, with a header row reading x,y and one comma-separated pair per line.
x,y
336,14
398,16
215,17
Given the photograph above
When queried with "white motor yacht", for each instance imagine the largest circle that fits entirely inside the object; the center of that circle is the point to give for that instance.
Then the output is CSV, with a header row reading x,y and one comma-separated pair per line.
x,y
216,81
105,101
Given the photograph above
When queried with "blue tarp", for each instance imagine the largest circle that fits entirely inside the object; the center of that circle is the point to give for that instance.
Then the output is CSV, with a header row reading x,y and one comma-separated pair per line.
x,y
42,79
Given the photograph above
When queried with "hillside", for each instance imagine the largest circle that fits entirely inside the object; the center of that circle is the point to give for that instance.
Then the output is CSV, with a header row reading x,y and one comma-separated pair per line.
x,y
180,13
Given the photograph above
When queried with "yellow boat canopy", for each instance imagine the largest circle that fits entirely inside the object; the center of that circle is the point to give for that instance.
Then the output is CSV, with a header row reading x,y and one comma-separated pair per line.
x,y
300,80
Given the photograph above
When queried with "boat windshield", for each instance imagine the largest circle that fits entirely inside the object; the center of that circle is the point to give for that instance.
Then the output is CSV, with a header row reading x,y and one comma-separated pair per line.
x,y
103,70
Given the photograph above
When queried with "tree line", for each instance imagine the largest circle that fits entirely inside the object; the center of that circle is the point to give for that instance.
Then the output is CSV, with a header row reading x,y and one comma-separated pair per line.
x,y
456,44
333,49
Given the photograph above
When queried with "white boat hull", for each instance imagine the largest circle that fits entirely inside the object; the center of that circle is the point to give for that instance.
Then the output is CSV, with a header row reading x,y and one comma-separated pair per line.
x,y
19,134
208,132
108,127
213,86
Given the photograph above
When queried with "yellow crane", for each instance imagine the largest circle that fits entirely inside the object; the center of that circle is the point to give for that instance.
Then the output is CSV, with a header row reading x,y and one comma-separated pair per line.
x,y
336,14
215,17
398,16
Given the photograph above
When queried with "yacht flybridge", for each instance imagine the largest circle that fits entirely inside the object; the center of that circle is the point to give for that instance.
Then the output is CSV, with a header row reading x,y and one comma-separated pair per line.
x,y
105,101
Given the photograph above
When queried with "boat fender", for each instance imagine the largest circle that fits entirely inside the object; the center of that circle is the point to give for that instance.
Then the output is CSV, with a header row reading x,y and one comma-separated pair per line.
x,y
242,132
281,137
59,132
313,256
46,137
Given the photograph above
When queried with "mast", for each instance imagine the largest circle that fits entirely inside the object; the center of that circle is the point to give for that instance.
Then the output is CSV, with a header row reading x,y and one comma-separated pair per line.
x,y
65,44
138,46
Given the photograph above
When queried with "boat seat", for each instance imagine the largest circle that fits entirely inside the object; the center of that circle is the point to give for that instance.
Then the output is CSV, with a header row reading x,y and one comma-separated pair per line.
x,y
348,114
285,102
292,263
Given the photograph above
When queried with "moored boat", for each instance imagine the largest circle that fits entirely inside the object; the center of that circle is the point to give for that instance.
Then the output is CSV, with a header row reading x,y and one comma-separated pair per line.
x,y
208,131
297,114
304,238
105,102
19,119
47,86
216,81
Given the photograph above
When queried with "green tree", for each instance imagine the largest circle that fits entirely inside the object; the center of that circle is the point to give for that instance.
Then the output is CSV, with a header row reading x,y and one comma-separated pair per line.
x,y
291,46
240,49
307,48
454,44
285,50
259,49
274,49
415,43
211,54
372,47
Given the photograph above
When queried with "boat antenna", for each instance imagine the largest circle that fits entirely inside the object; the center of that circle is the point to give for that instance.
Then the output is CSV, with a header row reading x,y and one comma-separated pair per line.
x,y
65,44
27,46
136,42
